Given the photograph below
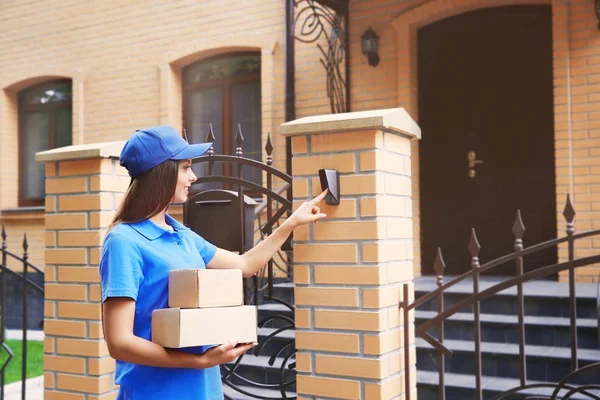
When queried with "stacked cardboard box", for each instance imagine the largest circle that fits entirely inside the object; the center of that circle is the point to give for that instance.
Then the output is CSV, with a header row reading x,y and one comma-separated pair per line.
x,y
205,308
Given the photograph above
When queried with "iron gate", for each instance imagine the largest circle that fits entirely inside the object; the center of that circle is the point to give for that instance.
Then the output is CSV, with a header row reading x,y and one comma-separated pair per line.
x,y
235,236
565,388
29,286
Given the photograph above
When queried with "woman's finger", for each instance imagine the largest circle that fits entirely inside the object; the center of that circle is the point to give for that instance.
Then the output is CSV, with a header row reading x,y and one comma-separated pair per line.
x,y
319,216
238,351
319,197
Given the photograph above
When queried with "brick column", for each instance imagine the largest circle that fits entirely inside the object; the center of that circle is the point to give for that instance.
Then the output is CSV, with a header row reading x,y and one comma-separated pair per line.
x,y
349,269
84,184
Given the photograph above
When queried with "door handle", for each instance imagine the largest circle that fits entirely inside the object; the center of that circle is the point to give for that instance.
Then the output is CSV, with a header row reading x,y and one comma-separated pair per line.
x,y
473,161
472,157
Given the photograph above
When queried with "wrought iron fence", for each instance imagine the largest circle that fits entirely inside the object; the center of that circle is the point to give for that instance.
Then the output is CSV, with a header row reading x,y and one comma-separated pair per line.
x,y
565,387
258,289
28,285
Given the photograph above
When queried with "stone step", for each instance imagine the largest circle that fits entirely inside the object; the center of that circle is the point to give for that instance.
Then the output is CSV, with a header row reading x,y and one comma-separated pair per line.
x,y
282,344
460,387
278,314
284,291
543,363
258,369
498,328
245,392
541,298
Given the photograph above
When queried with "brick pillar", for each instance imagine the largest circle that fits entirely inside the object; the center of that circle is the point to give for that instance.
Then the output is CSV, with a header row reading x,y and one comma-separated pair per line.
x,y
349,269
84,184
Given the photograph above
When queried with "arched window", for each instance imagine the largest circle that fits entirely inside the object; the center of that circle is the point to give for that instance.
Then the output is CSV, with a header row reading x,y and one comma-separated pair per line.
x,y
225,91
45,122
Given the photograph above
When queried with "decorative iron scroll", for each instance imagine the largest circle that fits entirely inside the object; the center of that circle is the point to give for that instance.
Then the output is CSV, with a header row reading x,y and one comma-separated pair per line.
x,y
314,23
566,388
276,340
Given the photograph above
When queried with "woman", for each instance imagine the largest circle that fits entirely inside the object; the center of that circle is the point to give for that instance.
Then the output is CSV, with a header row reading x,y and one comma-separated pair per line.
x,y
142,245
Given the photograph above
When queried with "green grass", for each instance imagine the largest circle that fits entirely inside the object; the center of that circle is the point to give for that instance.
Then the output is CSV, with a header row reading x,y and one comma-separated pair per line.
x,y
35,359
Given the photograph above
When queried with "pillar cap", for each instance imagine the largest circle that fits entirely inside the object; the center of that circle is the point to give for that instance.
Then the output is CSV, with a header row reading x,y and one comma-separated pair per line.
x,y
392,120
81,152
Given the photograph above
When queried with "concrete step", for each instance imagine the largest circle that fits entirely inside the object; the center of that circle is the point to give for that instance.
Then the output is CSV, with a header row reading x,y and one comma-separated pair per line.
x,y
257,369
499,328
245,392
460,387
541,298
279,315
543,363
282,344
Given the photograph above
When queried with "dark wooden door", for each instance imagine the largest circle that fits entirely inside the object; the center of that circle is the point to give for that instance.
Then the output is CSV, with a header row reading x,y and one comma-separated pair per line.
x,y
485,86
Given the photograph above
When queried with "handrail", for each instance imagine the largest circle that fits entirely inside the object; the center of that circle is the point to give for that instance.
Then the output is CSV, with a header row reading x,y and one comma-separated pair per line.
x,y
484,294
263,204
27,284
33,285
246,161
14,256
499,261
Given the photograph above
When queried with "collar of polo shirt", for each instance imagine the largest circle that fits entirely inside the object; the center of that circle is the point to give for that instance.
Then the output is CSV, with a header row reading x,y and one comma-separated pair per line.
x,y
151,231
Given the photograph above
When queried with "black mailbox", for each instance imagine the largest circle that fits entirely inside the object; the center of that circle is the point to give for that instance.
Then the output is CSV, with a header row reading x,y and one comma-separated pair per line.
x,y
215,215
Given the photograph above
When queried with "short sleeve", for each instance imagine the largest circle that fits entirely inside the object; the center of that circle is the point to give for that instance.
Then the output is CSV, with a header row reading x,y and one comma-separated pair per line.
x,y
207,250
121,271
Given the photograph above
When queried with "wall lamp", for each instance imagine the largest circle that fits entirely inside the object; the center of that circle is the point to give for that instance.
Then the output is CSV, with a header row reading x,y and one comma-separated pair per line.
x,y
369,42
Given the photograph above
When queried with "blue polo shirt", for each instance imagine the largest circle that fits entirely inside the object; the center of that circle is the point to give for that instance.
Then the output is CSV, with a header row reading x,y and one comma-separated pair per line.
x,y
135,263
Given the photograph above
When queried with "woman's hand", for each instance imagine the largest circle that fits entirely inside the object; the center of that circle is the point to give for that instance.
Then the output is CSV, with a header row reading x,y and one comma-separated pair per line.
x,y
227,352
256,258
308,212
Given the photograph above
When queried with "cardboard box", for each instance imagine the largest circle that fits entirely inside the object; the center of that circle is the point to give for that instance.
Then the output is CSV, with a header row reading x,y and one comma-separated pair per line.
x,y
203,288
176,327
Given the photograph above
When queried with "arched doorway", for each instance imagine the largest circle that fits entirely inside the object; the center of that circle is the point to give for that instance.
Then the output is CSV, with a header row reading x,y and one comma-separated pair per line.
x,y
485,86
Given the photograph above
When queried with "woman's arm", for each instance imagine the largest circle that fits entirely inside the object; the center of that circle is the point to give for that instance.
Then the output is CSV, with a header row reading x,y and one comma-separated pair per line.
x,y
118,315
258,256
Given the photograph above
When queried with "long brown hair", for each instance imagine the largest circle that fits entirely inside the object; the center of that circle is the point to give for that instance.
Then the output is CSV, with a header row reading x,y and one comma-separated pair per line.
x,y
148,194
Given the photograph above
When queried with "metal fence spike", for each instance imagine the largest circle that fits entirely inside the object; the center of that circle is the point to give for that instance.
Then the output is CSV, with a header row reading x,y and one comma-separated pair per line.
x,y
239,140
210,138
3,232
211,134
518,227
269,145
438,264
569,211
269,150
25,244
474,246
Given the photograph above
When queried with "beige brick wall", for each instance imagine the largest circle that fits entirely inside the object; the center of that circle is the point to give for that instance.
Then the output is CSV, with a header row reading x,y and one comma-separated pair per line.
x,y
81,198
349,268
125,58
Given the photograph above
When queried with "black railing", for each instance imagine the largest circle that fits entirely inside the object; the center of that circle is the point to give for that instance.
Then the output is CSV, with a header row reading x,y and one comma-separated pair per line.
x,y
27,285
285,253
258,289
565,386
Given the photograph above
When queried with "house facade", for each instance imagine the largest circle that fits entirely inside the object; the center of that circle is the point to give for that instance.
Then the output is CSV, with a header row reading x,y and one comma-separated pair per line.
x,y
507,94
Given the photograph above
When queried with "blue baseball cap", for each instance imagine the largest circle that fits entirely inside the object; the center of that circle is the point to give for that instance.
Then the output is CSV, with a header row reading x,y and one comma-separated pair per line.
x,y
150,147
